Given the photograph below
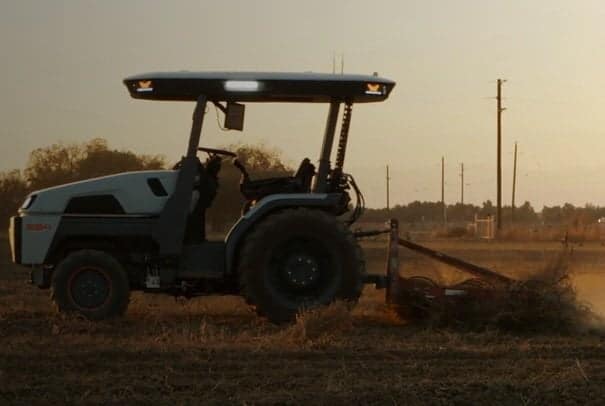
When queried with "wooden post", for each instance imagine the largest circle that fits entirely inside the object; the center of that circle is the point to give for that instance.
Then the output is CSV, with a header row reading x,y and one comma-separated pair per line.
x,y
512,214
392,290
443,192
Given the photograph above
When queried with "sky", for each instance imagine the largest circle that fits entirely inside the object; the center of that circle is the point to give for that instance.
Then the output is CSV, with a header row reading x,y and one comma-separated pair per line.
x,y
62,63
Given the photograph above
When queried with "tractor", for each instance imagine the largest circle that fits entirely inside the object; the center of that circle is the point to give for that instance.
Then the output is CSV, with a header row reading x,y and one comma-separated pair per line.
x,y
95,241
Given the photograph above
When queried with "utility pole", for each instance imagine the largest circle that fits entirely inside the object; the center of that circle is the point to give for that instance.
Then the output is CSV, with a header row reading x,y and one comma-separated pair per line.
x,y
462,183
499,164
443,191
388,196
512,214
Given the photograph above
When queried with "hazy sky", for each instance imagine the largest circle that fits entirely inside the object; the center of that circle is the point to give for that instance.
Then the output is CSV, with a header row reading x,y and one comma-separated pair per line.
x,y
63,62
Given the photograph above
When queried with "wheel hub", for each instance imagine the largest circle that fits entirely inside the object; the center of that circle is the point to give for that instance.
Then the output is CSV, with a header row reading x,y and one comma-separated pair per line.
x,y
90,288
301,270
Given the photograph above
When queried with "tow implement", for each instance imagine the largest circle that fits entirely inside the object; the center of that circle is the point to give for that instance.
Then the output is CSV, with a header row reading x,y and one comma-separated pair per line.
x,y
414,296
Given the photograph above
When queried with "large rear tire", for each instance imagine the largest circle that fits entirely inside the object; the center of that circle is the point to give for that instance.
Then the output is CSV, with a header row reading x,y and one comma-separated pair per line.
x,y
92,283
298,259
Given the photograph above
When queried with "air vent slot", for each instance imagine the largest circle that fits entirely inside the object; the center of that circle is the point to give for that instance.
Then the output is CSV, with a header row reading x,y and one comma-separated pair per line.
x,y
156,187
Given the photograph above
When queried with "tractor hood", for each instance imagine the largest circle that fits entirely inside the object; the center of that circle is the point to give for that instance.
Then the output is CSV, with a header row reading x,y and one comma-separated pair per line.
x,y
129,193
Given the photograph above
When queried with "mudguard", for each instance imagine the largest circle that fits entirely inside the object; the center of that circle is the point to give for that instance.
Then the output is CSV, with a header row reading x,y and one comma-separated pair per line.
x,y
267,205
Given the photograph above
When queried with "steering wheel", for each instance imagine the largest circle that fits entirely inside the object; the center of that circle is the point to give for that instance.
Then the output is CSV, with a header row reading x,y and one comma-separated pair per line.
x,y
212,151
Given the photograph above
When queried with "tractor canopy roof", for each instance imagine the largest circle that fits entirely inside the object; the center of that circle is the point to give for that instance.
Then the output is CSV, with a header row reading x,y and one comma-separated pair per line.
x,y
259,87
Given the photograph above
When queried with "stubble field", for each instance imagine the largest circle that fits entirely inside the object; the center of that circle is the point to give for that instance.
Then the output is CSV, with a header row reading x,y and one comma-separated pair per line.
x,y
215,351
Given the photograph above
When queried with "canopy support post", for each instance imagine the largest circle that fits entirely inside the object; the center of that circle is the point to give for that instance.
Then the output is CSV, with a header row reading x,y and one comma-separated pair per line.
x,y
169,231
321,179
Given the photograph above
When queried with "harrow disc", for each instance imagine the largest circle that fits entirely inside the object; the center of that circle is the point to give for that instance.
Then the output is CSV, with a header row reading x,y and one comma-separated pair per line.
x,y
475,288
414,298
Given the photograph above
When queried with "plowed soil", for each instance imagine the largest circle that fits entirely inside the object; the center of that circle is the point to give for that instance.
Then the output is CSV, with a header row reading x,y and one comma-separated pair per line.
x,y
216,351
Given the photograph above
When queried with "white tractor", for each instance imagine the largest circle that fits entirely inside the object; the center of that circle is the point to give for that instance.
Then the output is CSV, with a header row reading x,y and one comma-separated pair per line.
x,y
95,241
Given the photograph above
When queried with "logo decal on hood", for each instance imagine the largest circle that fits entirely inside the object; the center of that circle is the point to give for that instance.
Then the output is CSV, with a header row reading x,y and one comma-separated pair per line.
x,y
145,86
375,89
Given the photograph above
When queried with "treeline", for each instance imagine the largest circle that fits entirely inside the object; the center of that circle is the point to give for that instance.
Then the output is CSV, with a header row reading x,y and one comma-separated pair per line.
x,y
432,212
63,163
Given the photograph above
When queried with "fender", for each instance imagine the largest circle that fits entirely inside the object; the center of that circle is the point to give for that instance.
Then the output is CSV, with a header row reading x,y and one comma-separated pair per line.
x,y
265,207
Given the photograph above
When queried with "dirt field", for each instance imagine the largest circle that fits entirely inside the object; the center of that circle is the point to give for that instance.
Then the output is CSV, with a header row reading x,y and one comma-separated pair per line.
x,y
214,351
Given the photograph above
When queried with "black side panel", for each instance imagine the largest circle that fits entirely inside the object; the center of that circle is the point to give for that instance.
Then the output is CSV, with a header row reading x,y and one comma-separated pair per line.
x,y
204,260
99,204
100,228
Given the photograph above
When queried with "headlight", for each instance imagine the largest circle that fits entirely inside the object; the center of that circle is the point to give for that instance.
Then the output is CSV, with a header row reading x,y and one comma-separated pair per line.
x,y
28,202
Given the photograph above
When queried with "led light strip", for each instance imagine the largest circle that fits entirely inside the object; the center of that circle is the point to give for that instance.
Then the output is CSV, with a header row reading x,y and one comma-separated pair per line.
x,y
242,85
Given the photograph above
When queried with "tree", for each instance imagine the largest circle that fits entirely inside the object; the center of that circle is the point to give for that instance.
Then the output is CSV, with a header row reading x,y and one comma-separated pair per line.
x,y
13,190
461,212
261,162
63,163
526,214
488,209
100,160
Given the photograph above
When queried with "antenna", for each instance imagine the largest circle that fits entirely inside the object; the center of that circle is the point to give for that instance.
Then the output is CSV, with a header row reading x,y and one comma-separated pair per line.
x,y
333,62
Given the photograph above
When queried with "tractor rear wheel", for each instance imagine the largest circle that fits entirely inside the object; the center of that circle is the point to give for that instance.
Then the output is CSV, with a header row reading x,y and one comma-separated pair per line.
x,y
92,283
298,259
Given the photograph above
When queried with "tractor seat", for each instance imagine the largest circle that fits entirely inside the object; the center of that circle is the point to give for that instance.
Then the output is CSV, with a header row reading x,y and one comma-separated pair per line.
x,y
299,183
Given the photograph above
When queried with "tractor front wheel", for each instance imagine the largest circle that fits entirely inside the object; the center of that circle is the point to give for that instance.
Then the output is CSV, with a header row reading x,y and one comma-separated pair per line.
x,y
92,283
298,259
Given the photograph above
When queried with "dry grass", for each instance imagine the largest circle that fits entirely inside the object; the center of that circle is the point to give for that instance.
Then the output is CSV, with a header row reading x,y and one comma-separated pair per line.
x,y
321,326
215,351
575,234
